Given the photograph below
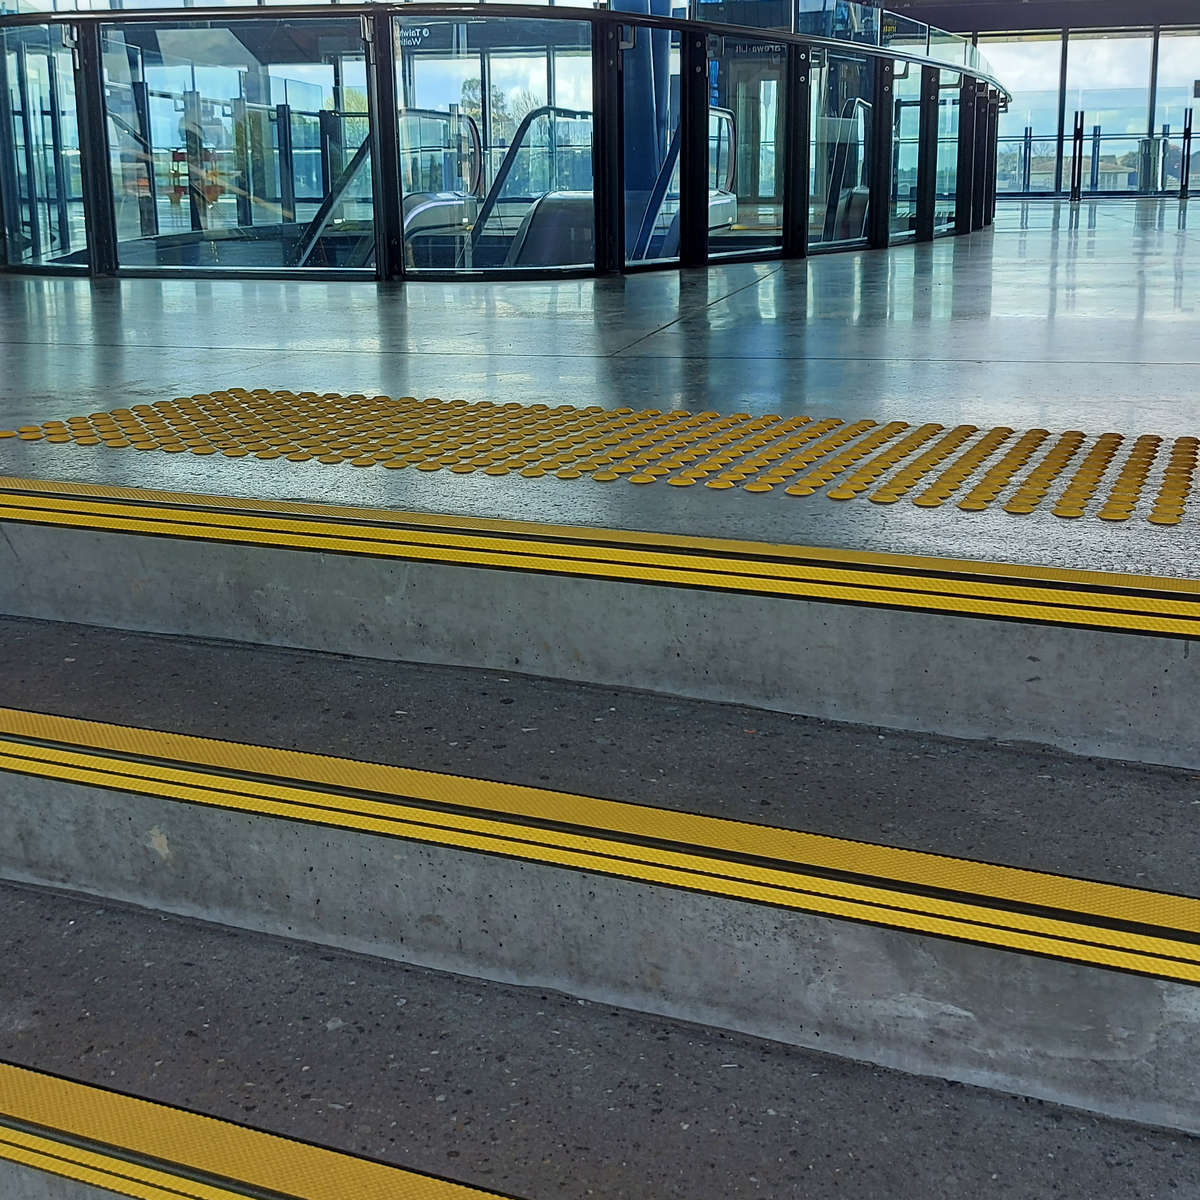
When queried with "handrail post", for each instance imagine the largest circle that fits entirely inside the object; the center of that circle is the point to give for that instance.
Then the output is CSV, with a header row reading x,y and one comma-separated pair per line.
x,y
384,138
927,140
798,155
880,181
608,140
693,149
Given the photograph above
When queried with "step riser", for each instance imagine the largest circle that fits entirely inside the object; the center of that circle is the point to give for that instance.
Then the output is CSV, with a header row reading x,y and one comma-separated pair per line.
x,y
1113,1043
1117,695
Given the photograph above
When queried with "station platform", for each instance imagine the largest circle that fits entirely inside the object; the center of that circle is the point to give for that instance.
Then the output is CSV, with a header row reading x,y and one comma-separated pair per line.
x,y
803,650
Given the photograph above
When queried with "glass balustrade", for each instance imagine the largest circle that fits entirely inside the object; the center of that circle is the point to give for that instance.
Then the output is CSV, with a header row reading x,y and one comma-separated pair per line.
x,y
463,141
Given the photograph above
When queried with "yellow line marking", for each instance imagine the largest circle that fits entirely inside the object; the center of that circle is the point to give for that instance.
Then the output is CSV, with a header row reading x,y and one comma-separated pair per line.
x,y
173,1143
587,553
586,535
977,902
535,440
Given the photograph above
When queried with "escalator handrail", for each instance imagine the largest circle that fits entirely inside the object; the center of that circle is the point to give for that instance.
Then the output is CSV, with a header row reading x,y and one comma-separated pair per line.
x,y
726,114
307,241
655,200
510,156
834,197
476,180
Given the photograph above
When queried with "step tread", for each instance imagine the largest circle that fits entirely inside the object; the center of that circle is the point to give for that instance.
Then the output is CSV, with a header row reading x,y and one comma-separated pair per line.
x,y
518,1090
1015,805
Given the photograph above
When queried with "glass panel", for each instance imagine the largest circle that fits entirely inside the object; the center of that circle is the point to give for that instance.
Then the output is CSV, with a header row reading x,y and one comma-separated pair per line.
x,y
903,33
240,144
844,21
906,149
495,177
947,47
746,138
1108,79
842,128
1178,70
651,89
1028,133
40,184
946,193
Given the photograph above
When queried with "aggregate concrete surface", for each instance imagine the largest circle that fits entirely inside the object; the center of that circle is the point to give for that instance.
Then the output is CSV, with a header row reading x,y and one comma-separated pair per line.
x,y
520,1090
1013,804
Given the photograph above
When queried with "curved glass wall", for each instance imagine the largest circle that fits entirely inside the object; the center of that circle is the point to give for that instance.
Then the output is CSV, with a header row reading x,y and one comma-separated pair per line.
x,y
440,139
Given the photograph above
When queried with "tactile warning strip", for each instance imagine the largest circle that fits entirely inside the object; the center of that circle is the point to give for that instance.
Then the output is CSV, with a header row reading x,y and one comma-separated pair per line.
x,y
1105,925
1046,595
150,1151
1110,476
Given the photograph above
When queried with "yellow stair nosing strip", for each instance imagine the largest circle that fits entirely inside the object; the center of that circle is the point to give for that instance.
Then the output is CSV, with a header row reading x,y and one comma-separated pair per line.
x,y
601,536
205,1145
916,601
683,842
754,571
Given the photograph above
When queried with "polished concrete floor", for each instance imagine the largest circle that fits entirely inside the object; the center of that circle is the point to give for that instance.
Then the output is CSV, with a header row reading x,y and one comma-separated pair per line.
x,y
1061,317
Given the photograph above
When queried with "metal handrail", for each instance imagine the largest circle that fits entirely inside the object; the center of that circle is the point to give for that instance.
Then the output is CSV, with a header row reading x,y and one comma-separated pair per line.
x,y
510,157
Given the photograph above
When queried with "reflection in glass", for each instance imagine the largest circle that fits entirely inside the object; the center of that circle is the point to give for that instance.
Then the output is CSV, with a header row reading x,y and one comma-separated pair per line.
x,y
241,144
1108,79
906,146
41,193
746,138
946,190
507,175
1030,66
842,129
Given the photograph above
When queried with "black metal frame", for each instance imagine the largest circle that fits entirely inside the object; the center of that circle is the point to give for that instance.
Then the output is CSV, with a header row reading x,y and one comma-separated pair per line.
x,y
964,203
927,139
381,55
879,213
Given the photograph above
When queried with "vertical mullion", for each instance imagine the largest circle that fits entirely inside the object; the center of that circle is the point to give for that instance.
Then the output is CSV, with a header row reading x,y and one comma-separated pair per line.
x,y
693,148
796,182
979,169
964,202
1062,115
385,154
927,154
608,160
95,169
993,150
880,180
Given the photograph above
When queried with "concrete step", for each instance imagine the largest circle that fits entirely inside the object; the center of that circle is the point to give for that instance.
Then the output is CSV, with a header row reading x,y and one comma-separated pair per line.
x,y
518,1091
944,645
992,914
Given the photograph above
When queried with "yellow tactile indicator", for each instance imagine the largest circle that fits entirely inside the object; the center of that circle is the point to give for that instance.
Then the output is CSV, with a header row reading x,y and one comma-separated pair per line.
x,y
150,1151
1014,471
1107,925
1049,595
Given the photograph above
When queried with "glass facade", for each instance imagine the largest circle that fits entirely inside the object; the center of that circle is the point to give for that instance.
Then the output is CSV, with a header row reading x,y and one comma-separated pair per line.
x,y
41,186
946,188
747,127
425,141
1134,119
906,146
242,144
495,120
843,124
